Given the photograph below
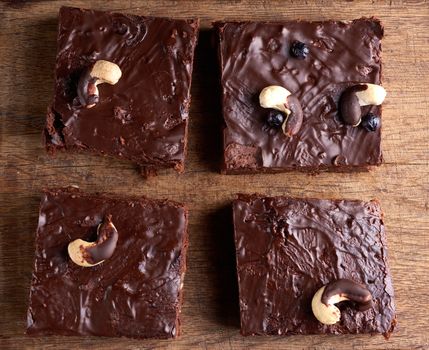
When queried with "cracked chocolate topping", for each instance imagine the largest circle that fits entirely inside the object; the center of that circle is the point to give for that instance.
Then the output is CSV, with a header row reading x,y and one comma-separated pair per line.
x,y
288,248
147,108
135,293
255,55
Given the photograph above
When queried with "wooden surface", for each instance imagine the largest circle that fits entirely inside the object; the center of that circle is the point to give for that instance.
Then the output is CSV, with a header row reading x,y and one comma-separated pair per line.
x,y
210,312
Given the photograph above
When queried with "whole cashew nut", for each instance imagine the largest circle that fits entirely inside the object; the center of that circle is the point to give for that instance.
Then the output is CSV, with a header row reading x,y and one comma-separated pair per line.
x,y
356,96
88,254
101,72
323,302
281,99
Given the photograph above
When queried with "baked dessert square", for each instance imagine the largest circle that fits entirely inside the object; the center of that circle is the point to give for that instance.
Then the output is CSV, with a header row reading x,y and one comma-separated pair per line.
x,y
122,87
291,251
107,266
318,123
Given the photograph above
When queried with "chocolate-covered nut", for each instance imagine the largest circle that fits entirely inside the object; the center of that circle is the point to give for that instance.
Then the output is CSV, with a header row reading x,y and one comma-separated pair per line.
x,y
100,72
323,302
350,110
279,98
350,290
89,254
294,120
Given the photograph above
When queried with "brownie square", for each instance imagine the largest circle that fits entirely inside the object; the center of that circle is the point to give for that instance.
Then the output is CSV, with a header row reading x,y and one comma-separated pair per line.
x,y
254,55
288,248
144,116
136,292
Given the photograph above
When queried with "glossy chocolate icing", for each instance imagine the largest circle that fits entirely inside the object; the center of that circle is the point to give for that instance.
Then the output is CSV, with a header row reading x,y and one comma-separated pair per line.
x,y
255,55
144,116
134,293
288,248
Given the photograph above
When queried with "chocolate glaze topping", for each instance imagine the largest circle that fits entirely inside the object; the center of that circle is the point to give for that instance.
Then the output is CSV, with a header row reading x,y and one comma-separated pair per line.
x,y
356,292
144,116
288,248
255,55
135,293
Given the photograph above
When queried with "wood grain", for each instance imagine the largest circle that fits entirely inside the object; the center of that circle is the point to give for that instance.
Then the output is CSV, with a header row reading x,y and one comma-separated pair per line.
x,y
210,313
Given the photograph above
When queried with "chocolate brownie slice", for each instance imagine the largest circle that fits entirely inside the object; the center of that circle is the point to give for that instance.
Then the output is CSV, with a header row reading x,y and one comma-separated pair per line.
x,y
316,62
129,283
142,114
287,249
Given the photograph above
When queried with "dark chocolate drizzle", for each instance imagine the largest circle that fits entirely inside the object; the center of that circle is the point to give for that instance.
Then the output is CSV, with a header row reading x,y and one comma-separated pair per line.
x,y
352,290
255,55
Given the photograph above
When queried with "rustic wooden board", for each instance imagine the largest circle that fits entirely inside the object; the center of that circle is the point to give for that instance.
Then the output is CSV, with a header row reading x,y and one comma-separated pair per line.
x,y
210,313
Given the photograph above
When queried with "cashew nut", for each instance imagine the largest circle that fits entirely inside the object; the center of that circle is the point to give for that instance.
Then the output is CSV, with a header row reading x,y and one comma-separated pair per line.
x,y
326,314
275,97
281,99
88,254
356,96
372,95
101,72
323,302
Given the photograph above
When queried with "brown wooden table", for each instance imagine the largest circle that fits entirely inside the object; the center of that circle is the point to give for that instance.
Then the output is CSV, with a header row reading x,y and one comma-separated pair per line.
x,y
210,312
